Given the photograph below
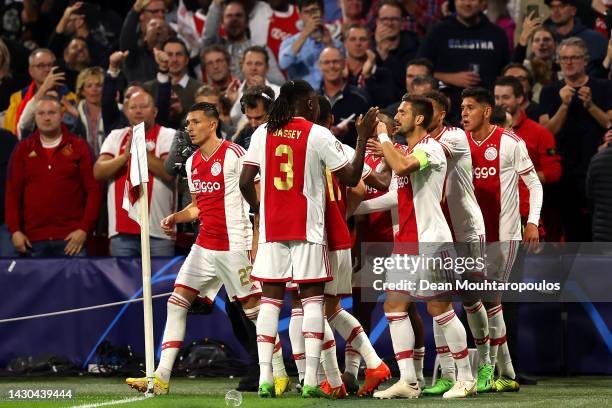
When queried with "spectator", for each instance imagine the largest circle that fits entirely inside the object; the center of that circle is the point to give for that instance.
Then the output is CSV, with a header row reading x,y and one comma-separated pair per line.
x,y
577,110
522,73
361,67
466,50
599,191
353,13
417,67
394,46
40,63
11,78
7,144
140,64
346,100
172,62
540,143
90,125
255,66
77,22
565,24
283,23
216,61
124,233
76,58
51,161
498,14
255,104
608,60
234,22
299,54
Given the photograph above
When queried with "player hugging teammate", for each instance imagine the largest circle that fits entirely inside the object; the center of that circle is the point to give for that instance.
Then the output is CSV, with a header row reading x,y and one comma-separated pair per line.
x,y
445,185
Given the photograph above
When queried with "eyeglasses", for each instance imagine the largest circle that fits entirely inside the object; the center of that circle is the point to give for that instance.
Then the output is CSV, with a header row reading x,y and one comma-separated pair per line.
x,y
385,20
43,65
312,11
571,58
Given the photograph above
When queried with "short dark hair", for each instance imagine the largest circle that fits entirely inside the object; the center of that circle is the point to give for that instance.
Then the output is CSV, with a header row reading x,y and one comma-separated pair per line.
x,y
176,40
439,98
527,71
513,83
392,3
426,79
325,110
217,48
420,106
481,95
209,109
498,116
50,98
257,49
303,3
254,95
422,62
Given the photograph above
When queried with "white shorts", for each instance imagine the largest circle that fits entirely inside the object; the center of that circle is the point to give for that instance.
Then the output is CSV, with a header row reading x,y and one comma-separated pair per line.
x,y
205,270
500,259
342,270
300,261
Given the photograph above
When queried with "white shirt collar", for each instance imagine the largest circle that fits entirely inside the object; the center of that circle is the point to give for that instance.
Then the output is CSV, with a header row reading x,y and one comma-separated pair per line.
x,y
183,82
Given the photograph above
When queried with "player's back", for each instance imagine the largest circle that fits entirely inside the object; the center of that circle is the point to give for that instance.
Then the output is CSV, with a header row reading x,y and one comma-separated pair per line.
x,y
292,162
465,215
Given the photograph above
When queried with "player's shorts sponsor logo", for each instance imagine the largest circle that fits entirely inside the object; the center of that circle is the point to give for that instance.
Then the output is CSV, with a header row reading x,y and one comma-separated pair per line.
x,y
484,172
491,153
216,169
206,186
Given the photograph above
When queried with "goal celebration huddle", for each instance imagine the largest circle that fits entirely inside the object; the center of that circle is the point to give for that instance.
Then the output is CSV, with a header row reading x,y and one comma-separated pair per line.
x,y
277,219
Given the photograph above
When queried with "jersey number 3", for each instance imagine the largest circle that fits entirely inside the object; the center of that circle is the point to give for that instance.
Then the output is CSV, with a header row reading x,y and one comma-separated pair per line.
x,y
285,167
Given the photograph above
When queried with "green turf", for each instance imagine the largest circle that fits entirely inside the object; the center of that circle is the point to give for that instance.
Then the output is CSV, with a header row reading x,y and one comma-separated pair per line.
x,y
196,393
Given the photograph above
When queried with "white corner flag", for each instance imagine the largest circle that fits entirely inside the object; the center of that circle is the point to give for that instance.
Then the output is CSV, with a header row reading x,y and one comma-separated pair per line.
x,y
138,173
136,203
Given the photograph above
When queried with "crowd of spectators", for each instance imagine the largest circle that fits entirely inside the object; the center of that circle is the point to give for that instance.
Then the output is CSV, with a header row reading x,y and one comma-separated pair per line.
x,y
75,76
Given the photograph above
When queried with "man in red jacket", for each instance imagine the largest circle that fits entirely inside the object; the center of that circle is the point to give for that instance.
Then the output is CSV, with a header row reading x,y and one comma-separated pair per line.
x,y
540,143
52,199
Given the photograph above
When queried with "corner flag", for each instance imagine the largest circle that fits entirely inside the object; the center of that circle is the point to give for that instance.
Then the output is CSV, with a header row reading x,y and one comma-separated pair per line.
x,y
138,173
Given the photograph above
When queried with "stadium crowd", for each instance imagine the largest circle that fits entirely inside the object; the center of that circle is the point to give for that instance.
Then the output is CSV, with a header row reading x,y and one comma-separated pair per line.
x,y
76,76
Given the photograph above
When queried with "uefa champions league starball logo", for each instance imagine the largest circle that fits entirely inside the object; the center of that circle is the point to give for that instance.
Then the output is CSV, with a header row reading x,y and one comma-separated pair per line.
x,y
490,153
215,169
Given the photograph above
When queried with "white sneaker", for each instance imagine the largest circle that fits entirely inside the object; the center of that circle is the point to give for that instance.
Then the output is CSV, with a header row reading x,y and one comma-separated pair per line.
x,y
400,389
461,389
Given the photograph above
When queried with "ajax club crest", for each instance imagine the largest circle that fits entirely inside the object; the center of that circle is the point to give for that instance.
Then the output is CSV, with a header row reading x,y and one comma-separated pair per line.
x,y
491,153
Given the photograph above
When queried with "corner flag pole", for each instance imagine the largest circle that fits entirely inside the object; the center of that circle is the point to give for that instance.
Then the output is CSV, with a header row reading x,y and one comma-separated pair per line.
x,y
147,301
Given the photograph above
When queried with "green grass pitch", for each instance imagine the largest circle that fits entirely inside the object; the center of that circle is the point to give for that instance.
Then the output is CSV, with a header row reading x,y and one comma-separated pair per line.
x,y
204,393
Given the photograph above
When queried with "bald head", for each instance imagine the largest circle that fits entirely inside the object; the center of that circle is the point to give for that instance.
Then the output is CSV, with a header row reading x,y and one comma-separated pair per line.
x,y
331,63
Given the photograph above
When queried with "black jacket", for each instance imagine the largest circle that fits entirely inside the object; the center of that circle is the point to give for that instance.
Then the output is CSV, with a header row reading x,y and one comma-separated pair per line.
x,y
599,192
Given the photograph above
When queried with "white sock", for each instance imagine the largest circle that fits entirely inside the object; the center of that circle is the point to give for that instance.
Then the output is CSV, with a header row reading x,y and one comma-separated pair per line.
x,y
402,337
455,336
329,360
278,364
350,329
352,360
479,326
417,357
447,364
176,321
312,330
267,329
499,345
297,341
497,330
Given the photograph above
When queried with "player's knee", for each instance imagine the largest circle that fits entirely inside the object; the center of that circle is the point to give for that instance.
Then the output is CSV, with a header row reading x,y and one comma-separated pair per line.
x,y
437,308
187,294
395,306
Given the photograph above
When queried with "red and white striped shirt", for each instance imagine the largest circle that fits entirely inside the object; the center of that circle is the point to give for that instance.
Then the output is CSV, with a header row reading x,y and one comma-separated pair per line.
x,y
224,214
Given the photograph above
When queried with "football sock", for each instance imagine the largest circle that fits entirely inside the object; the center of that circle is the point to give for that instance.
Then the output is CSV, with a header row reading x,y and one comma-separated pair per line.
x,y
402,338
455,336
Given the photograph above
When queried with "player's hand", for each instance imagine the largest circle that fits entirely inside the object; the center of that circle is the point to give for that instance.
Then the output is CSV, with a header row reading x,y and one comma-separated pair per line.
x,y
21,242
76,239
375,147
366,124
531,237
586,96
566,94
167,225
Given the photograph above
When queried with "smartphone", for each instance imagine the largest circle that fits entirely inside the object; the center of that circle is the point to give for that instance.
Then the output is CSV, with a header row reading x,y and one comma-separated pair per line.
x,y
535,9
